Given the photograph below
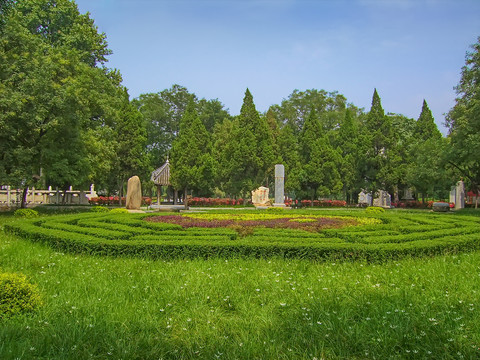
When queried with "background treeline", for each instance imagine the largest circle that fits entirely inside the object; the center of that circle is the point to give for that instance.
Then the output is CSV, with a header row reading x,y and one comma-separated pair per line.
x,y
66,119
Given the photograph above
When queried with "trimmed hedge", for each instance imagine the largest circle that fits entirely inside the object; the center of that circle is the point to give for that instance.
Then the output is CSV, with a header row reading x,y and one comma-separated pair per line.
x,y
26,213
400,234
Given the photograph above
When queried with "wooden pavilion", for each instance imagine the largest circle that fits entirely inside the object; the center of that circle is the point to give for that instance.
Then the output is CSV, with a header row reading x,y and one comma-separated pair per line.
x,y
161,177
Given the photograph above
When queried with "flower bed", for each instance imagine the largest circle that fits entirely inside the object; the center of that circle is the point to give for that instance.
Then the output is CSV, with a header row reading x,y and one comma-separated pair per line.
x,y
323,203
415,204
206,202
309,223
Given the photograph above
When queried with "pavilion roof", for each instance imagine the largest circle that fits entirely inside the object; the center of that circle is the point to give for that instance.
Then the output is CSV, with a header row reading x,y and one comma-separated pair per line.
x,y
161,176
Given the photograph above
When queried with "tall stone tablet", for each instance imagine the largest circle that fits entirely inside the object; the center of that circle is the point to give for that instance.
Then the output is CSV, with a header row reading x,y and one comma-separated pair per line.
x,y
279,186
134,193
460,195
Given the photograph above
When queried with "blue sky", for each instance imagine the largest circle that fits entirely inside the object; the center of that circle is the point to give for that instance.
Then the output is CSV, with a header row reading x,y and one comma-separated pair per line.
x,y
409,50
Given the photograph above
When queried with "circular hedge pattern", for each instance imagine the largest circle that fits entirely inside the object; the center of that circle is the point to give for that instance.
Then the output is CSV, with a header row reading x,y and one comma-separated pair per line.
x,y
292,234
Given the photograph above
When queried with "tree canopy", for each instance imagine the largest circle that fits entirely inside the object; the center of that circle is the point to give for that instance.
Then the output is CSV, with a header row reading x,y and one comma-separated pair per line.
x,y
463,121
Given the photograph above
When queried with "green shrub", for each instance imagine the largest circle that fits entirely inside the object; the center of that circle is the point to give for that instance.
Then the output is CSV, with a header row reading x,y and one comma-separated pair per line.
x,y
17,295
275,209
26,213
374,210
242,230
99,209
119,211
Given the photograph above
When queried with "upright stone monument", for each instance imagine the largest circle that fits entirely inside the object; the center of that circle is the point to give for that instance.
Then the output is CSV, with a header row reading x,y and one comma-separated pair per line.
x,y
260,196
134,193
279,186
364,198
384,199
460,195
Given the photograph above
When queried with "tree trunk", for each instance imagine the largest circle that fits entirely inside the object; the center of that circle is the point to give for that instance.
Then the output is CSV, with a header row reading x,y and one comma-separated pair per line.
x,y
185,200
23,204
120,193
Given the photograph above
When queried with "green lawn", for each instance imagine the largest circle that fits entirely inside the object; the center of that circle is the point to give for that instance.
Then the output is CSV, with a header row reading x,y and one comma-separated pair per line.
x,y
244,308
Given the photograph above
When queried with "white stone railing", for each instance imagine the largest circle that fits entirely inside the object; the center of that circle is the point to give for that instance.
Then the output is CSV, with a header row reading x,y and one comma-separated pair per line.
x,y
13,197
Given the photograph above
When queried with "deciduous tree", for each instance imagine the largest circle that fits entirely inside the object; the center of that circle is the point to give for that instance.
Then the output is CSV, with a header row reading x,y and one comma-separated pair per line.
x,y
463,121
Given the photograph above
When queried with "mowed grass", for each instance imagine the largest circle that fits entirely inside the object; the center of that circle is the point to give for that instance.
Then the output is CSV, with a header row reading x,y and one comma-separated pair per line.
x,y
126,308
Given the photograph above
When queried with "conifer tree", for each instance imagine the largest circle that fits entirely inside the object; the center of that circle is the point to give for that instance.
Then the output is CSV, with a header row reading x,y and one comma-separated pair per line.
x,y
321,175
311,131
192,163
348,147
425,126
289,152
251,154
426,173
131,137
377,140
320,160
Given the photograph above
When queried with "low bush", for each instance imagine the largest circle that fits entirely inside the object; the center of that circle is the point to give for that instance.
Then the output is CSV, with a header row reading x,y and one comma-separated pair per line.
x,y
17,295
275,209
26,213
99,209
119,211
374,210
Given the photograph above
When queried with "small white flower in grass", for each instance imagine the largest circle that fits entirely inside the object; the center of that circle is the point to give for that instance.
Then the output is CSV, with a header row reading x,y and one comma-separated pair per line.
x,y
283,304
257,289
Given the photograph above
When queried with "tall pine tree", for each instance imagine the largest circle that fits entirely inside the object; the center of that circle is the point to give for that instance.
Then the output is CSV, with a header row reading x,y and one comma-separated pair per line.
x,y
192,163
426,173
425,127
348,142
250,154
377,142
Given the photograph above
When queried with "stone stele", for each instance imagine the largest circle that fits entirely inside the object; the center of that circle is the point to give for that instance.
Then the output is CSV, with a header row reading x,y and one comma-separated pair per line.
x,y
279,186
260,196
134,193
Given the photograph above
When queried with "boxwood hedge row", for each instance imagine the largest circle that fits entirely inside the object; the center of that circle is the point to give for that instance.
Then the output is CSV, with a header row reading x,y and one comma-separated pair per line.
x,y
400,234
